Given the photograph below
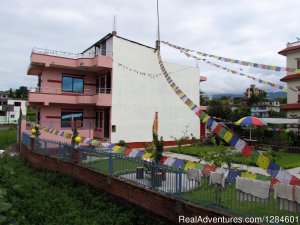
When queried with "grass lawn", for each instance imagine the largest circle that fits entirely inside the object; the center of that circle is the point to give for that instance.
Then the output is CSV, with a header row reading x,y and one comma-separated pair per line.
x,y
120,165
284,159
227,199
7,137
30,196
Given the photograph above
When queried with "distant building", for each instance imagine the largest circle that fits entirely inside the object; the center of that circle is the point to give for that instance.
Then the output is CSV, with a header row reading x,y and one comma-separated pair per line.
x,y
10,109
3,95
292,53
262,109
252,91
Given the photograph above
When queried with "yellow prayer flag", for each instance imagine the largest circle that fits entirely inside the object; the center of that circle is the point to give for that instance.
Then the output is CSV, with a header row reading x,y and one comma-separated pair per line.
x,y
263,162
116,148
206,118
249,175
190,165
227,136
147,155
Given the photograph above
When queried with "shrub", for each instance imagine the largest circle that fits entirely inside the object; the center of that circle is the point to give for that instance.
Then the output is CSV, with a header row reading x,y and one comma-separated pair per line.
x,y
149,147
122,143
159,147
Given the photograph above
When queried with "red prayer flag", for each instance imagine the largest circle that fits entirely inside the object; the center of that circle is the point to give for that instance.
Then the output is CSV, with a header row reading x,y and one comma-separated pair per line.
x,y
295,181
247,150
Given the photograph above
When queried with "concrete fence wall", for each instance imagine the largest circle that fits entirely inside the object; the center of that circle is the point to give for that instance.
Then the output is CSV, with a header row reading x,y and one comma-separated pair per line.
x,y
156,203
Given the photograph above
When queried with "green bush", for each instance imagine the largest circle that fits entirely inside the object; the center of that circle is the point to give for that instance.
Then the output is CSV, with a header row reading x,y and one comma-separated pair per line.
x,y
122,143
32,197
7,138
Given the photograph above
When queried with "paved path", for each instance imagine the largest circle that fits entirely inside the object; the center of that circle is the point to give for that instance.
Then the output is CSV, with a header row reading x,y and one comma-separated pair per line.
x,y
252,169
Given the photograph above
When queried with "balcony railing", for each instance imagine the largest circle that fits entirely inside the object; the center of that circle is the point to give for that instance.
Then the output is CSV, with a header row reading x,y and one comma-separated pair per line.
x,y
93,54
292,44
48,90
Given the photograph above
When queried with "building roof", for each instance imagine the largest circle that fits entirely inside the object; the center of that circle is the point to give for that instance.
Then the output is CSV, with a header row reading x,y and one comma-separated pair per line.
x,y
290,77
108,36
281,120
290,106
289,49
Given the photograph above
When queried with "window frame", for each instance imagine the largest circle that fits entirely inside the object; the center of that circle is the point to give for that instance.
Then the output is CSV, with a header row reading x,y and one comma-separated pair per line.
x,y
69,126
72,89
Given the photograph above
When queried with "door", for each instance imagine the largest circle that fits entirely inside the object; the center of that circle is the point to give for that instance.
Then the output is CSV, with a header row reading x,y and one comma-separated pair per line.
x,y
99,124
106,123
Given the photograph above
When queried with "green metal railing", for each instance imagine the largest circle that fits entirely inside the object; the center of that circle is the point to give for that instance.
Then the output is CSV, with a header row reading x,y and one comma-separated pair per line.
x,y
167,180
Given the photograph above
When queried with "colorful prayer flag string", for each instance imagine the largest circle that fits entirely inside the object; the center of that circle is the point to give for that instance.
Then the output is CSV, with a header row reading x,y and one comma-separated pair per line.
x,y
280,87
217,128
236,61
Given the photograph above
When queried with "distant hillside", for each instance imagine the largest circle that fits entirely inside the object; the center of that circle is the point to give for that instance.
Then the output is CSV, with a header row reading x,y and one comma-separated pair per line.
x,y
271,95
277,94
218,96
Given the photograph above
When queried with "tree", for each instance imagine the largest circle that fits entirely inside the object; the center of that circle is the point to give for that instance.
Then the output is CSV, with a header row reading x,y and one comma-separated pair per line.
x,y
219,157
240,112
159,147
22,92
203,98
218,109
254,99
274,114
281,100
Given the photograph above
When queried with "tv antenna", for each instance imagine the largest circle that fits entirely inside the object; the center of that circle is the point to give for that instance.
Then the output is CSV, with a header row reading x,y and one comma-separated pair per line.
x,y
114,25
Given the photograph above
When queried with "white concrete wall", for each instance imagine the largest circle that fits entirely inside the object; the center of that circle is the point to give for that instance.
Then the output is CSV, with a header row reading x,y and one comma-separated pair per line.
x,y
291,60
136,97
109,47
292,96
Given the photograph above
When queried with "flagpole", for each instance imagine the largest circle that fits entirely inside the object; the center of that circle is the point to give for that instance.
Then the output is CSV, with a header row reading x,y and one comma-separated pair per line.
x,y
158,29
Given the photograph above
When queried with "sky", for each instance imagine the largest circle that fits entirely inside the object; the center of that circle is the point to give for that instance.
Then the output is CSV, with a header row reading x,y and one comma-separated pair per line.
x,y
252,30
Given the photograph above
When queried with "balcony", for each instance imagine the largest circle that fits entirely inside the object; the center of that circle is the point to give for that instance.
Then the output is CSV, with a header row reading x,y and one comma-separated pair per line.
x,y
41,58
48,96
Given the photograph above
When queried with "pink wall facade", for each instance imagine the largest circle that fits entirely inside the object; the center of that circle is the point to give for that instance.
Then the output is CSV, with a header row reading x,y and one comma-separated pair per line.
x,y
99,61
51,89
50,116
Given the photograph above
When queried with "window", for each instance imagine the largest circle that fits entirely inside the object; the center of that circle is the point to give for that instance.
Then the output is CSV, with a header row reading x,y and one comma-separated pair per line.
x,y
2,113
298,64
17,103
103,84
72,84
12,116
66,118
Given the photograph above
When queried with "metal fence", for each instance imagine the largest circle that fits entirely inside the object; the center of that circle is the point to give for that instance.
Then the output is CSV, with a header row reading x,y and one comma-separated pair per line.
x,y
171,181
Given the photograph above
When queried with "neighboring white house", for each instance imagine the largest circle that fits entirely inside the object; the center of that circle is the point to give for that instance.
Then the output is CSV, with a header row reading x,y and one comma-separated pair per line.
x,y
292,53
10,110
262,109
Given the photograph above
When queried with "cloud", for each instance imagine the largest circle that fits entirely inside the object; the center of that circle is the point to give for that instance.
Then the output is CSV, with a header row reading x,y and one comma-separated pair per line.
x,y
250,30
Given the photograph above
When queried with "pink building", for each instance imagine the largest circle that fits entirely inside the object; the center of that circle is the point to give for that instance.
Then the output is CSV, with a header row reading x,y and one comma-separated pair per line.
x,y
112,90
